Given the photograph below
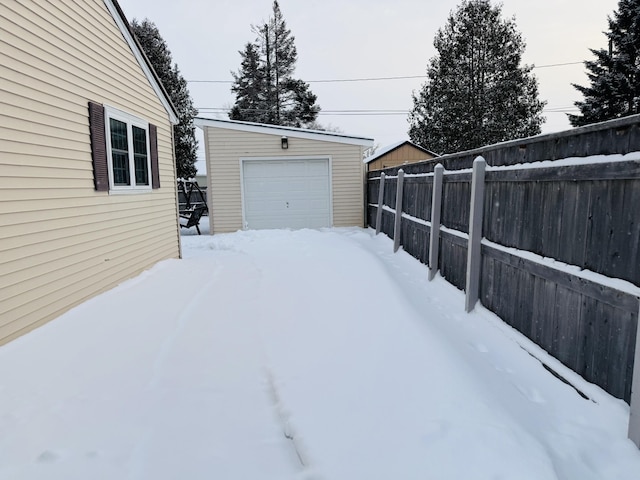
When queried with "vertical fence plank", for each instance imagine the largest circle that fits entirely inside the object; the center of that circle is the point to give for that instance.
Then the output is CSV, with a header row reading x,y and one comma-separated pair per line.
x,y
634,417
380,202
475,234
436,207
396,229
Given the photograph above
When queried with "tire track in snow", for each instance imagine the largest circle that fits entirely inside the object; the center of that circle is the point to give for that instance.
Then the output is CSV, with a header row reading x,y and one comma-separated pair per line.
x,y
141,449
285,421
227,284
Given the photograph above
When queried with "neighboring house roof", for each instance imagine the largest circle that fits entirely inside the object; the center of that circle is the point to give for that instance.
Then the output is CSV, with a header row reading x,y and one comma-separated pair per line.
x,y
284,131
394,146
130,37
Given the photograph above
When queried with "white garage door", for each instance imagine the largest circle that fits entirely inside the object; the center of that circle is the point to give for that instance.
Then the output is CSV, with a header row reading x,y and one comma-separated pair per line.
x,y
287,193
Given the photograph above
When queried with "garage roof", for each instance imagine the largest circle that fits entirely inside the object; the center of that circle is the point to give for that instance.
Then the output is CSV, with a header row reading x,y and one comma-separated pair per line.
x,y
284,131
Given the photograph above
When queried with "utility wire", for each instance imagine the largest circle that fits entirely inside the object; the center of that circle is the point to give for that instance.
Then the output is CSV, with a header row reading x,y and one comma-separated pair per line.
x,y
379,112
376,79
558,65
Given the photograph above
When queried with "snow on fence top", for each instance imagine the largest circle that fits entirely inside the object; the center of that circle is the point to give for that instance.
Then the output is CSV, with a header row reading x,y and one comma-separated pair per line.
x,y
619,136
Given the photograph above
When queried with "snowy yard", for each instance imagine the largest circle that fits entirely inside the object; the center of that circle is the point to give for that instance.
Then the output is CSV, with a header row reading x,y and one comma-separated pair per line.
x,y
296,355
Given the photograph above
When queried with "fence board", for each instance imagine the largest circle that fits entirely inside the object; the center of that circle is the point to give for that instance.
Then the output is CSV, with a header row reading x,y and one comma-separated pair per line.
x,y
453,259
544,296
387,223
572,226
390,187
456,197
380,200
371,215
621,348
568,312
631,246
417,196
398,214
415,239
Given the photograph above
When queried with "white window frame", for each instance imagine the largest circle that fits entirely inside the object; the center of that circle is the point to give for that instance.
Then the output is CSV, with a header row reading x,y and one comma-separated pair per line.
x,y
131,121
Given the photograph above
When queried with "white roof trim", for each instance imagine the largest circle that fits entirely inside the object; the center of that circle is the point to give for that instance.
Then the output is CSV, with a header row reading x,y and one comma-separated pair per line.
x,y
141,60
284,131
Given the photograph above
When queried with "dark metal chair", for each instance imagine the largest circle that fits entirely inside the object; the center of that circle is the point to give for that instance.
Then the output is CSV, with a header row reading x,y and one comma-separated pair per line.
x,y
192,217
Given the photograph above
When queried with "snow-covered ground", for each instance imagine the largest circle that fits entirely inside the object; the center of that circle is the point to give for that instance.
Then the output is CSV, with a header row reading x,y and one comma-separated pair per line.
x,y
296,355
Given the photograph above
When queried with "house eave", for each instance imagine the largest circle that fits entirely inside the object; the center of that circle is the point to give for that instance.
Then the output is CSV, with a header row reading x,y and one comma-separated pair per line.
x,y
124,27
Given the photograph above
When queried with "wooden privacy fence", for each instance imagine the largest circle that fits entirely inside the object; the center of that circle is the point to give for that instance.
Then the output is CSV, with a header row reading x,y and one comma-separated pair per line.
x,y
552,248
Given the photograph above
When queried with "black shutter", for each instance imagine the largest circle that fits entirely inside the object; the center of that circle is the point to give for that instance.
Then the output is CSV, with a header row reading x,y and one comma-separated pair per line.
x,y
98,147
153,146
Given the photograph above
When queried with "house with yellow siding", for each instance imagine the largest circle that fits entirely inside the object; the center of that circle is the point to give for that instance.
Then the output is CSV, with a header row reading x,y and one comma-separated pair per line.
x,y
397,154
267,176
87,170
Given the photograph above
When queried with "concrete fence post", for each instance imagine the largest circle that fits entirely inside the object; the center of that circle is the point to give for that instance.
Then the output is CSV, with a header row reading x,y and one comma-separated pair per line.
x,y
475,234
436,208
380,202
396,228
634,417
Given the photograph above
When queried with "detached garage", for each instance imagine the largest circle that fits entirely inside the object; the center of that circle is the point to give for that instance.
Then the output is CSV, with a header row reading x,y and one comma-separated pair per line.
x,y
266,176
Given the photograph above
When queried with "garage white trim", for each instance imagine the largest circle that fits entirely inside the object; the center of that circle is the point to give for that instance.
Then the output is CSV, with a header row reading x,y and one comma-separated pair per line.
x,y
286,192
283,130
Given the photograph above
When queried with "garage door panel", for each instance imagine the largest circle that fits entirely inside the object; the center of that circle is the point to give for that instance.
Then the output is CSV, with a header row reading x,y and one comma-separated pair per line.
x,y
287,193
276,169
318,169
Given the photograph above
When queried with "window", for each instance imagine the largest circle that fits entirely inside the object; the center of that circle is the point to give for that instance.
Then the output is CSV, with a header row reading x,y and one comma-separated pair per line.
x,y
127,151
124,151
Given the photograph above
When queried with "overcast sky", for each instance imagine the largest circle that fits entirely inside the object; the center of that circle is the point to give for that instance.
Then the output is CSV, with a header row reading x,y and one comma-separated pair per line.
x,y
355,39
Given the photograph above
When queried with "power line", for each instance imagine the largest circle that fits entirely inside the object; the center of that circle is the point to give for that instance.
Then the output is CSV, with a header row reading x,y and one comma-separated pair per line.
x,y
333,80
558,65
373,112
377,79
368,110
378,112
209,81
369,79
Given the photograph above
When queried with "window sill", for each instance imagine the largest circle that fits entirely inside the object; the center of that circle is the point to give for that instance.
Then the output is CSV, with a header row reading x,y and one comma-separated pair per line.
x,y
130,191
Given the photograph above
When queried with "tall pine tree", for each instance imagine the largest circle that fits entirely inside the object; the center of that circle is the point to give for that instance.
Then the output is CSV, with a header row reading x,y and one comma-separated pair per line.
x,y
159,55
615,73
265,89
477,92
249,86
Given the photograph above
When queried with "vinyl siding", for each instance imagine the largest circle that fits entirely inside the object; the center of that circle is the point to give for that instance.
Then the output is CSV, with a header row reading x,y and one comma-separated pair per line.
x,y
225,147
400,156
61,242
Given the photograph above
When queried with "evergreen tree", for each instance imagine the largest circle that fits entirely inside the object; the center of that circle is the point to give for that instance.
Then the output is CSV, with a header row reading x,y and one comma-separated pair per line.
x,y
615,73
265,89
250,87
159,55
476,92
